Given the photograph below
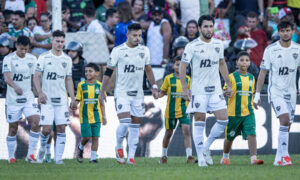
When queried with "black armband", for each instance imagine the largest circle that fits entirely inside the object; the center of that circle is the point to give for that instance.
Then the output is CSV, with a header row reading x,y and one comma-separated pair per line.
x,y
108,72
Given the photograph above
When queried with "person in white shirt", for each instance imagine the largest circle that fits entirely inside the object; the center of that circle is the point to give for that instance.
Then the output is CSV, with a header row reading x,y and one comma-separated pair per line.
x,y
92,24
206,56
54,68
14,5
130,60
18,69
281,59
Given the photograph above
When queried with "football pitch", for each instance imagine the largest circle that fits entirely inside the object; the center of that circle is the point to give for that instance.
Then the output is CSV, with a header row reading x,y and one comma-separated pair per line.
x,y
149,168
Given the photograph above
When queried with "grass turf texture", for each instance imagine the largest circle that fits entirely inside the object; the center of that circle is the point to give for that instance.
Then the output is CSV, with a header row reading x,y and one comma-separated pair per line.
x,y
148,168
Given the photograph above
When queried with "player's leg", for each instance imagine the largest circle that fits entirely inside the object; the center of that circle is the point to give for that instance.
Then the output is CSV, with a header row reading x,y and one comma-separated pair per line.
x,y
185,123
199,126
11,141
165,145
95,142
226,151
86,134
48,149
133,138
33,136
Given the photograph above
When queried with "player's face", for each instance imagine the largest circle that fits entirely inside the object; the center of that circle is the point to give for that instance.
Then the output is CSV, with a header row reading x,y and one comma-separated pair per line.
x,y
243,63
90,73
22,50
17,21
134,37
252,22
192,29
73,54
286,34
176,66
207,29
58,43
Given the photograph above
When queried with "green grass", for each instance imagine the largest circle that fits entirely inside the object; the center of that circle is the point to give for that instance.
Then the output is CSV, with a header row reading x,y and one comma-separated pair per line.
x,y
148,168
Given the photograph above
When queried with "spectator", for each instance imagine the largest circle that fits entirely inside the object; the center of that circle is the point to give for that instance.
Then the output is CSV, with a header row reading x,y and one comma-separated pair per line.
x,y
42,35
77,8
66,17
92,24
206,7
17,29
2,20
3,28
31,23
30,7
101,10
14,5
112,19
125,18
64,27
74,50
189,9
6,46
138,9
191,30
7,16
295,6
251,31
222,7
40,8
159,37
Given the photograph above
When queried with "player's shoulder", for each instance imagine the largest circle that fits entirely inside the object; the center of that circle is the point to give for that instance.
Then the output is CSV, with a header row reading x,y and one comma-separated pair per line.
x,y
195,42
273,47
81,83
188,77
30,56
98,82
169,76
9,56
142,47
121,47
216,41
46,55
64,55
295,45
250,75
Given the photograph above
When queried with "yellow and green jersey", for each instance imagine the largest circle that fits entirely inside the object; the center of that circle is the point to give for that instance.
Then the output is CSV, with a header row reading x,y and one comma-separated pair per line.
x,y
176,105
241,102
88,95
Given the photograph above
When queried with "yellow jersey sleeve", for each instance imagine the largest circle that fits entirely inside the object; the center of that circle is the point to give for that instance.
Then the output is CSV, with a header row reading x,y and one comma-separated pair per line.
x,y
189,82
79,92
253,85
166,84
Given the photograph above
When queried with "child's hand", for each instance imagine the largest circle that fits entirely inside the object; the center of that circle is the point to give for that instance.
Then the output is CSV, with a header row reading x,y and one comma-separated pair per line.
x,y
104,122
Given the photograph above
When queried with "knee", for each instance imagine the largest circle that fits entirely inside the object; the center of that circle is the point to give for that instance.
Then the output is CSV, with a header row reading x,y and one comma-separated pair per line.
x,y
13,130
284,120
61,128
35,126
186,131
46,130
168,134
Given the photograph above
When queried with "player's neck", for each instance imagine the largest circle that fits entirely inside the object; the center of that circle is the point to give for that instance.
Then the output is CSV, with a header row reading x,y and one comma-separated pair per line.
x,y
91,81
242,72
204,39
177,74
56,52
19,55
130,45
285,44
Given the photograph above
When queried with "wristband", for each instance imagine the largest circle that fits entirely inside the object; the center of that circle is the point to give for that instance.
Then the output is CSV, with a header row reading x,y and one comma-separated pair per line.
x,y
154,86
256,97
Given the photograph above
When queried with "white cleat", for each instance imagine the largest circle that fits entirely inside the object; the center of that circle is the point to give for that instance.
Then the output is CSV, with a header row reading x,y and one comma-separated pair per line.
x,y
207,157
277,163
202,163
59,162
30,159
40,157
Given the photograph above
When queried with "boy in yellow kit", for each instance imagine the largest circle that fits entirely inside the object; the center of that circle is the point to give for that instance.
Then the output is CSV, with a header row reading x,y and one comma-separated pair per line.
x,y
240,109
176,111
91,113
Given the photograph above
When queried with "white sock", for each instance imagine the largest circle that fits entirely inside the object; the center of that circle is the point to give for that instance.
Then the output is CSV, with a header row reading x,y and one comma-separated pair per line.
x,y
188,152
225,155
252,158
133,139
93,155
33,139
80,146
122,131
216,131
198,137
164,152
283,138
48,148
60,146
43,141
11,145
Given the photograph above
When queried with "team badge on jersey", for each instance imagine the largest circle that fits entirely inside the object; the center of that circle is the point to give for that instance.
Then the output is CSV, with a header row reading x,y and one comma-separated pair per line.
x,y
295,55
97,91
217,49
278,108
120,106
64,64
30,65
142,55
197,105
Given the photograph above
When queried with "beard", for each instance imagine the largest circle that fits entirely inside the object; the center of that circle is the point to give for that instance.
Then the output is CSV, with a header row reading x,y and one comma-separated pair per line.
x,y
286,40
207,36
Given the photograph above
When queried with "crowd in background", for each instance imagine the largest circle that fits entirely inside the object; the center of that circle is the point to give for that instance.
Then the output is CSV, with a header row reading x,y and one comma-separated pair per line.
x,y
168,25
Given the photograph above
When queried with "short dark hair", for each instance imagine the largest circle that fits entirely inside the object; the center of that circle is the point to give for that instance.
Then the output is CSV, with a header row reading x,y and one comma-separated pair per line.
x,y
205,18
177,58
19,13
134,27
252,14
58,33
242,53
94,66
110,12
90,11
284,24
23,40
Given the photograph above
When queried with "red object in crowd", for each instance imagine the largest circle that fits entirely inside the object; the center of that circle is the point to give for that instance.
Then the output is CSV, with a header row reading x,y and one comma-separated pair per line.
x,y
260,37
41,7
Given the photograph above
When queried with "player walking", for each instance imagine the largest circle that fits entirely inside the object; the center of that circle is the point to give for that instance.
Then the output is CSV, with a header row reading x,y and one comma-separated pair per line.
x,y
18,70
55,69
281,59
130,60
206,56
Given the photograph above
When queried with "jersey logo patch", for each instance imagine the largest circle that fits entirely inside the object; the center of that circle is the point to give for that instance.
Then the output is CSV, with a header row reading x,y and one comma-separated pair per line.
x,y
217,49
142,55
279,56
29,65
197,105
97,91
278,108
49,63
120,106
9,117
295,55
64,64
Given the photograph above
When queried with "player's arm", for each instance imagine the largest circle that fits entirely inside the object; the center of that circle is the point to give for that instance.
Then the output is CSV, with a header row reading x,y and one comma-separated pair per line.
x,y
109,71
161,94
104,121
70,89
150,76
259,85
167,36
182,74
9,81
224,72
33,89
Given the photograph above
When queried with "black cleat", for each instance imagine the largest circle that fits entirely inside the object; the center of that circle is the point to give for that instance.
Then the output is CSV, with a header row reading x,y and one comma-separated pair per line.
x,y
79,156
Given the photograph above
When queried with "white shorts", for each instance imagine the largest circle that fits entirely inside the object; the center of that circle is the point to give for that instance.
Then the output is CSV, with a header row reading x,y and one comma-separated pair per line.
x,y
136,107
14,113
54,113
280,106
206,103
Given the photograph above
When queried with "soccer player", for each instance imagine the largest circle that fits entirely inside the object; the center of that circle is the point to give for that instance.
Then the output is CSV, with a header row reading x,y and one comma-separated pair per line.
x,y
281,59
54,67
176,111
240,109
18,70
130,60
91,113
206,56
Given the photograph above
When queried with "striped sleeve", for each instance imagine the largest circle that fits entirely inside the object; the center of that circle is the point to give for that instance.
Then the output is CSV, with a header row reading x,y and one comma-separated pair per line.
x,y
166,84
79,92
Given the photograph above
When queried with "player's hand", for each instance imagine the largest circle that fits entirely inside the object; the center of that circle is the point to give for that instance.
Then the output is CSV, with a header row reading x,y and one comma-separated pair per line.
x,y
228,91
102,98
186,95
73,105
42,98
155,93
104,121
18,90
256,100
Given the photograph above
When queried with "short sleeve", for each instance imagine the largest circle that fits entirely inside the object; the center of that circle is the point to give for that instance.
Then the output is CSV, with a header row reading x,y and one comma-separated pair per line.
x,y
6,67
113,59
40,64
189,82
147,56
266,61
69,69
165,85
79,92
187,54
